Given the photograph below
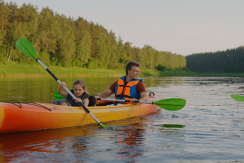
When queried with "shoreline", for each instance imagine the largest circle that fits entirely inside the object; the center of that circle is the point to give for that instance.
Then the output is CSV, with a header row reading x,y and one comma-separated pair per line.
x,y
13,70
48,75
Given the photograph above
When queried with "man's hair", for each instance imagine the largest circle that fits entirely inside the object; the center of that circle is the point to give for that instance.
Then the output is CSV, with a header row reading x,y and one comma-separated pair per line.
x,y
130,64
81,82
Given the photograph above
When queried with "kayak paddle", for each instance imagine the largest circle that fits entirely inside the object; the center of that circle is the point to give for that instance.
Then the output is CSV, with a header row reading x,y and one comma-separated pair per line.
x,y
58,96
238,97
171,104
26,47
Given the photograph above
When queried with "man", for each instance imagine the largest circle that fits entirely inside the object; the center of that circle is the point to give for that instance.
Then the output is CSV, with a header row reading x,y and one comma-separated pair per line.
x,y
128,87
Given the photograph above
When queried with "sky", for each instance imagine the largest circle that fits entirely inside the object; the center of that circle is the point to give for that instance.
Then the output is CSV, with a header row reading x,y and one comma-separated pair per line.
x,y
178,26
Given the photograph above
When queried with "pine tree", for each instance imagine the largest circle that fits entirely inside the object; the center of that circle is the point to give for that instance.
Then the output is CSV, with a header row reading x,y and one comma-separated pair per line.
x,y
48,32
66,43
83,49
4,14
103,51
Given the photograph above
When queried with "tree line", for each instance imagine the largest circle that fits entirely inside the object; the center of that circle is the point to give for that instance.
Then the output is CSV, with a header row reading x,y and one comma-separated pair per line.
x,y
63,41
229,61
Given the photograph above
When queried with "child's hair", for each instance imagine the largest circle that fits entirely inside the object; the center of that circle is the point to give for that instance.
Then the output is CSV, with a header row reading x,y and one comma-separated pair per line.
x,y
81,82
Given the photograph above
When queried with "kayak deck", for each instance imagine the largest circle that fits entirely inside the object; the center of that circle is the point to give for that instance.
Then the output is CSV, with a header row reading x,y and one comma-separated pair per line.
x,y
17,117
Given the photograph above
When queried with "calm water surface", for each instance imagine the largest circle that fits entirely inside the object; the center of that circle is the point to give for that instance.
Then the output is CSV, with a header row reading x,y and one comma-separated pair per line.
x,y
210,128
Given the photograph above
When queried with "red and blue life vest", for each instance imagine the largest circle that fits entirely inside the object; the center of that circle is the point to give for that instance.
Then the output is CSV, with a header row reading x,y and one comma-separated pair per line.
x,y
125,92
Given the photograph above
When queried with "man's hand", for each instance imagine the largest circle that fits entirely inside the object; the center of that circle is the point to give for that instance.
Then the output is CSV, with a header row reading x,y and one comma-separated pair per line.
x,y
133,100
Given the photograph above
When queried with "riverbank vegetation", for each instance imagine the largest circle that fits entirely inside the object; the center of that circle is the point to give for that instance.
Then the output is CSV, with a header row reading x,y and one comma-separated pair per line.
x,y
65,42
35,70
229,62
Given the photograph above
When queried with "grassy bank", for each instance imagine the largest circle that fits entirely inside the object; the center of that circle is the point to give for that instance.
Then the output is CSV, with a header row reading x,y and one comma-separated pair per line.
x,y
36,70
23,70
154,72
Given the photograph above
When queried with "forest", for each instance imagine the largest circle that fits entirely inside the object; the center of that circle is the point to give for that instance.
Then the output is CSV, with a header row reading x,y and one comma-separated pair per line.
x,y
63,41
229,61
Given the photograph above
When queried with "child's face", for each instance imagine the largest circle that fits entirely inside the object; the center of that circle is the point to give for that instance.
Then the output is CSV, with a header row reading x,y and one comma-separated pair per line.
x,y
78,90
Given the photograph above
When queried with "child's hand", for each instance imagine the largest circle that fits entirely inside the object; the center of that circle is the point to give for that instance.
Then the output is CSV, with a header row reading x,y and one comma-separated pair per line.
x,y
63,84
60,91
78,100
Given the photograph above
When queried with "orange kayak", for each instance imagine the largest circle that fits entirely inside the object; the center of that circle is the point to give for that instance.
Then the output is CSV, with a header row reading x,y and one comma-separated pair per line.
x,y
18,117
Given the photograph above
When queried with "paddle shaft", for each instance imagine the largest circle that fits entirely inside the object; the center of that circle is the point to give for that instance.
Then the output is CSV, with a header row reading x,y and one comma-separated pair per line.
x,y
88,111
117,100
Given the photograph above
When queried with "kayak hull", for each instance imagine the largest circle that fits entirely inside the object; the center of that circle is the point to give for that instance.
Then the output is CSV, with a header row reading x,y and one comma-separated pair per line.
x,y
18,117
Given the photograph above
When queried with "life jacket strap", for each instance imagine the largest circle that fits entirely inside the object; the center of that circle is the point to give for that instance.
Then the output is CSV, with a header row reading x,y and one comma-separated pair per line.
x,y
124,86
122,95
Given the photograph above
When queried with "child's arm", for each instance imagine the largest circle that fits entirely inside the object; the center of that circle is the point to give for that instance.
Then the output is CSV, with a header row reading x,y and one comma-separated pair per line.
x,y
85,101
60,91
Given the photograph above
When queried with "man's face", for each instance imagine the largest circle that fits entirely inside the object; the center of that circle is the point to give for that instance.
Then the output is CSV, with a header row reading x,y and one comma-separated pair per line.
x,y
134,72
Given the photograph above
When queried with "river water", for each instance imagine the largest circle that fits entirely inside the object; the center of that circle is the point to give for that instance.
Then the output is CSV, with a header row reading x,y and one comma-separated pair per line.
x,y
210,128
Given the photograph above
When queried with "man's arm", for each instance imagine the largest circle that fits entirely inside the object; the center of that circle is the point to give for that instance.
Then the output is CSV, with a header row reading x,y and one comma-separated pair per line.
x,y
106,93
144,96
141,90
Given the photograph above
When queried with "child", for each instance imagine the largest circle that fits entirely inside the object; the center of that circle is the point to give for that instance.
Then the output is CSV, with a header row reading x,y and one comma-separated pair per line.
x,y
79,90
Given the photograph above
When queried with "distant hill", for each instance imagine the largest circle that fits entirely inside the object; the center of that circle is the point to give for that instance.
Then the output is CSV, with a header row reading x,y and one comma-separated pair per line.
x,y
229,61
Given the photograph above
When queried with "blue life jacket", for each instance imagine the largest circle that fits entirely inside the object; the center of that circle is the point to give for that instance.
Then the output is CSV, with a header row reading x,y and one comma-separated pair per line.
x,y
125,92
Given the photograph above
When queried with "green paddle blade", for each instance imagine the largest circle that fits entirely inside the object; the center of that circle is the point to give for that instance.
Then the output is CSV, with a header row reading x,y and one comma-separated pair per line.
x,y
26,47
172,104
238,97
58,96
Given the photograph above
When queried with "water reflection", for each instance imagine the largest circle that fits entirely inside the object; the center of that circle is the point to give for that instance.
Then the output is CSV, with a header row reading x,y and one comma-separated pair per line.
x,y
78,143
36,143
171,126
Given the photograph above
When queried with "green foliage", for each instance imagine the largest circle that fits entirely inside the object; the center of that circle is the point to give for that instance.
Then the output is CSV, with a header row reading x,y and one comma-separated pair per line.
x,y
185,69
44,57
169,69
229,61
3,60
77,63
92,64
48,31
161,67
121,53
83,50
2,36
13,69
103,51
62,41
